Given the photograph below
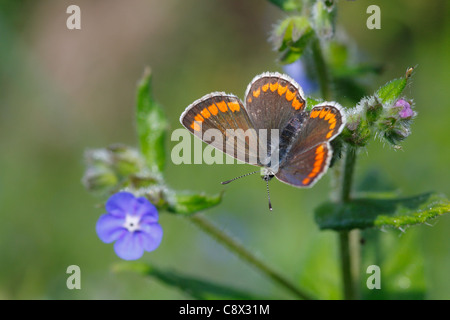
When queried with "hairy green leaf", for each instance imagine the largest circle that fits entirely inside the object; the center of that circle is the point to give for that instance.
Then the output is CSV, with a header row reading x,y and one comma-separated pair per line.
x,y
151,125
378,210
291,38
194,287
392,90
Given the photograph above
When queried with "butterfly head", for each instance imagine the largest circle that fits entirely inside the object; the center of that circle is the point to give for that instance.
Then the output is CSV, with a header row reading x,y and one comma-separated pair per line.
x,y
267,174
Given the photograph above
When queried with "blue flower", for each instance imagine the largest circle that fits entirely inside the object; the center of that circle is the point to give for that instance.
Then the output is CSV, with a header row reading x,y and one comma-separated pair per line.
x,y
297,71
131,222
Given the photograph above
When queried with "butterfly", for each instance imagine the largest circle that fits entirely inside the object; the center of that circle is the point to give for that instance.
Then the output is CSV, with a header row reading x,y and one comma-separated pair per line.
x,y
273,129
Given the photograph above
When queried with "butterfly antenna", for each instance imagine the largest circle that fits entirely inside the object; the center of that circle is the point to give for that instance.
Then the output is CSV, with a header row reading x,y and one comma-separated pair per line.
x,y
268,195
247,174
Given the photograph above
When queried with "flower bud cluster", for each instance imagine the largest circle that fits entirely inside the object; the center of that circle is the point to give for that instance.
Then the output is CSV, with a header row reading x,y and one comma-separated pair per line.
x,y
372,118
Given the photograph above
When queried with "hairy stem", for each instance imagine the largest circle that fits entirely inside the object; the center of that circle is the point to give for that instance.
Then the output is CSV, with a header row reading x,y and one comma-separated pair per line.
x,y
238,249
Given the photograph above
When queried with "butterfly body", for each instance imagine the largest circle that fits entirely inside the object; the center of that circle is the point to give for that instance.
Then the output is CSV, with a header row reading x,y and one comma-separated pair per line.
x,y
292,141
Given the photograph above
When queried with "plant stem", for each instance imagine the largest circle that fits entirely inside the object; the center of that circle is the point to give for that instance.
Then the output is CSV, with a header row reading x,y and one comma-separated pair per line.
x,y
347,173
238,249
344,248
321,69
349,249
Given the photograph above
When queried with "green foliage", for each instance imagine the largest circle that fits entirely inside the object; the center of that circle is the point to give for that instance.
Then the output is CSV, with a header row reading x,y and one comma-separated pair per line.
x,y
188,203
288,5
381,211
151,125
193,287
111,167
401,263
392,90
324,15
347,72
311,102
291,37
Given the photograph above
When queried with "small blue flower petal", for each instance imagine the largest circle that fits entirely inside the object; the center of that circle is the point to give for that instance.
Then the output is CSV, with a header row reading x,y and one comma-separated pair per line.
x,y
121,203
149,218
143,207
132,223
151,236
129,246
110,228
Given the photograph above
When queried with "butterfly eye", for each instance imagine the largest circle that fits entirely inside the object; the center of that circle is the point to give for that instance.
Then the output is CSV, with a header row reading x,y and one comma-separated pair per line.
x,y
267,177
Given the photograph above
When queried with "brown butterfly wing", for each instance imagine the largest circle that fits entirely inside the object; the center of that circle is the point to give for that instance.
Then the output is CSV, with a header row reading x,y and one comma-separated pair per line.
x,y
221,120
309,156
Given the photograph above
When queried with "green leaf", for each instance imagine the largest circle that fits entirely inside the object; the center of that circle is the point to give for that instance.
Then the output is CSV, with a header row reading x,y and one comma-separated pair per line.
x,y
378,210
288,5
196,288
151,125
401,263
189,203
291,38
311,102
319,271
392,90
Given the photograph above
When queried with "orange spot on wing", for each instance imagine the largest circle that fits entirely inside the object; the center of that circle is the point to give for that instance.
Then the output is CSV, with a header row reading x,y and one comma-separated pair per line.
x,y
213,109
306,180
195,126
318,161
249,100
323,113
315,113
329,134
290,95
234,106
329,115
319,156
199,118
265,87
333,125
256,93
222,106
205,113
273,86
332,119
281,89
316,168
297,104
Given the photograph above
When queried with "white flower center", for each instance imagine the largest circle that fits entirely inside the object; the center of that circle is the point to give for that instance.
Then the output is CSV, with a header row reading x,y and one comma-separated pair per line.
x,y
131,222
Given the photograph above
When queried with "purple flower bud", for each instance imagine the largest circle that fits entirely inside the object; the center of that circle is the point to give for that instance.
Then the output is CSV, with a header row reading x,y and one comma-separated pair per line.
x,y
406,111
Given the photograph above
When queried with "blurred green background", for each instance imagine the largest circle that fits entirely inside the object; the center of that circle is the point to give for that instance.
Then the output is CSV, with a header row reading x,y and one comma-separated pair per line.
x,y
63,91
